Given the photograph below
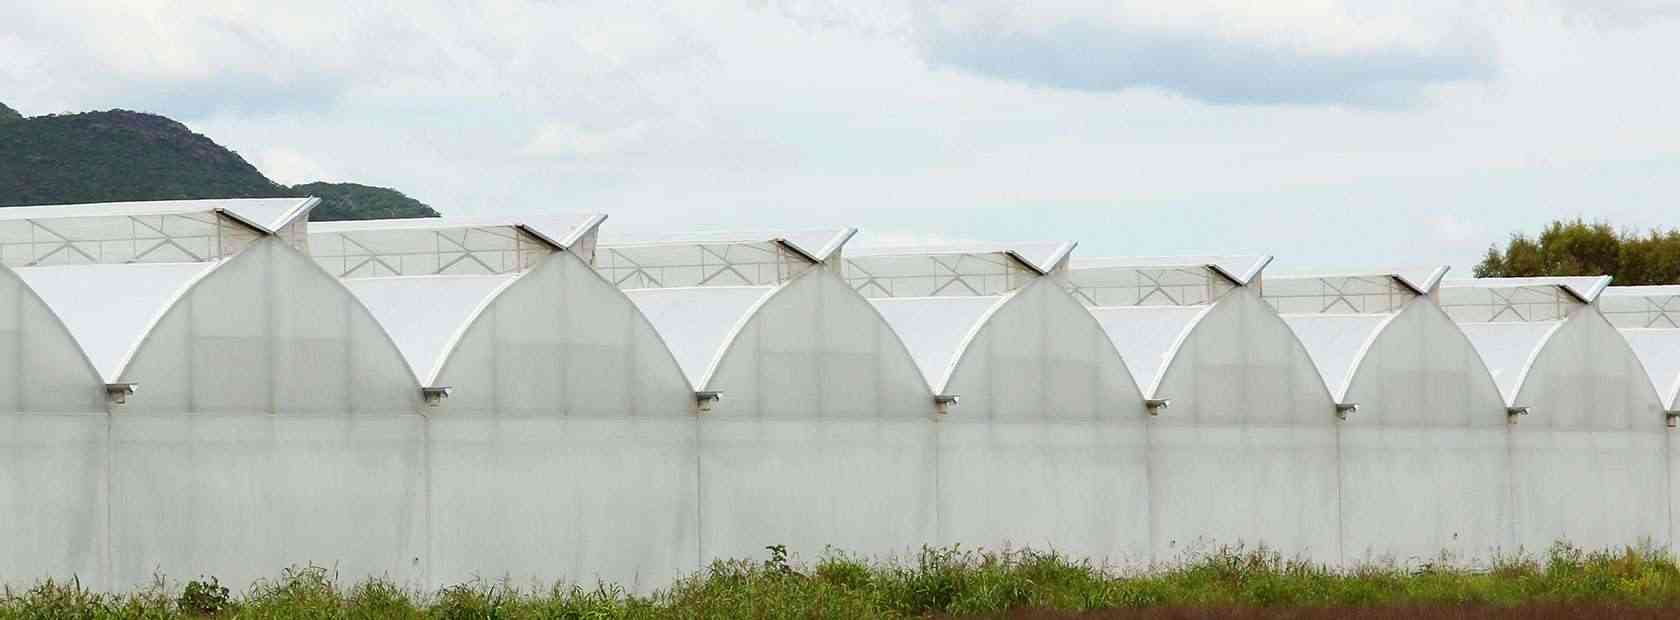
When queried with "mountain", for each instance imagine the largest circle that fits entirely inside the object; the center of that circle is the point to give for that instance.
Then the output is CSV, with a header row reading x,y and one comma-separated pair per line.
x,y
353,201
121,155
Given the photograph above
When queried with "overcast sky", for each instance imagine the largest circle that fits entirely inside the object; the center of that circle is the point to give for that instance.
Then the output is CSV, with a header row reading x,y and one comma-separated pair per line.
x,y
1332,134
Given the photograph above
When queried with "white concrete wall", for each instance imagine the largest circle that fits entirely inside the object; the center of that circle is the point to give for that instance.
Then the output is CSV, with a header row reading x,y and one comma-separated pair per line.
x,y
824,436
1247,452
1424,462
1048,446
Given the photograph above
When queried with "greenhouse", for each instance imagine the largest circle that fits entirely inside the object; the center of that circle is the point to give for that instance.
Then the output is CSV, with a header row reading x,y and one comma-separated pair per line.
x,y
813,418
207,319
1589,458
1243,442
539,374
1649,318
1042,443
1422,437
220,387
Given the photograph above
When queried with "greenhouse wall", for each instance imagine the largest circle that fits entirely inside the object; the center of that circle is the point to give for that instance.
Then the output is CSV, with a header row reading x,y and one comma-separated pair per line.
x,y
567,446
824,434
1424,464
1590,462
1246,453
1047,447
53,434
274,425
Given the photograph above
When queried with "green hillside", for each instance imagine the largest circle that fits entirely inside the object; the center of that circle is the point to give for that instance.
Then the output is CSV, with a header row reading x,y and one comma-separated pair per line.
x,y
122,155
353,201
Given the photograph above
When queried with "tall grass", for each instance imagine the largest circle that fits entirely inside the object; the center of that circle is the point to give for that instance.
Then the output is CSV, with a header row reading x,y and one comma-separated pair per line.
x,y
1229,583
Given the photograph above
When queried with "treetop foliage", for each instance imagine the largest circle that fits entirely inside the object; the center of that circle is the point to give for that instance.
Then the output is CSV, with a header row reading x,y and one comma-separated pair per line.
x,y
1578,248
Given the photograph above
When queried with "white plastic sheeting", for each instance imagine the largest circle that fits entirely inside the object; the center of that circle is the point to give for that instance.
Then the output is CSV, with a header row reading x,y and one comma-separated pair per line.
x,y
822,436
145,232
1047,447
1424,470
936,329
716,258
1654,307
1589,458
275,424
425,315
1659,351
699,323
53,432
567,449
1247,451
131,299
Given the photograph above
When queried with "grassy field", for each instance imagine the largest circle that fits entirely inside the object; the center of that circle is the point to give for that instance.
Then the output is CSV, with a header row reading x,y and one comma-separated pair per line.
x,y
949,583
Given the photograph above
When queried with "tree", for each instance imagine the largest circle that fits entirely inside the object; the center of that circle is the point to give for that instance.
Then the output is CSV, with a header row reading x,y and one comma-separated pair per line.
x,y
1577,248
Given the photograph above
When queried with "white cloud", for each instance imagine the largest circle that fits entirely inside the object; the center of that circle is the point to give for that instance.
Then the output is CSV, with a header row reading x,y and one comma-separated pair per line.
x,y
1224,51
562,139
1125,125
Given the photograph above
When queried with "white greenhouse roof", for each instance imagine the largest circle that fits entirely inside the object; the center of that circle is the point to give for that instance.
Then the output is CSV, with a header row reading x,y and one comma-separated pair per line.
x,y
1238,269
814,245
936,330
1508,349
1039,256
1420,281
426,315
1660,290
559,230
1586,289
1659,351
109,309
265,214
1337,343
1148,337
698,323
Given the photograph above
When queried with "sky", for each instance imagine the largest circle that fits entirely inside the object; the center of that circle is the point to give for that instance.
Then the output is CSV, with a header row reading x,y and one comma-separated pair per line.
x,y
1332,134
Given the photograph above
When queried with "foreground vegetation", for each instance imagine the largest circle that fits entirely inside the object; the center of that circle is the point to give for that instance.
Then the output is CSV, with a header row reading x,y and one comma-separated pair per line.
x,y
946,583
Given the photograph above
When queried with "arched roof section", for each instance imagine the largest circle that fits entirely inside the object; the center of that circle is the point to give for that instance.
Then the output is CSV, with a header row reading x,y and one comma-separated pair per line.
x,y
426,315
1587,377
1235,361
268,331
43,368
560,338
1038,354
1337,343
1509,350
1147,337
110,309
812,346
698,323
1659,352
937,330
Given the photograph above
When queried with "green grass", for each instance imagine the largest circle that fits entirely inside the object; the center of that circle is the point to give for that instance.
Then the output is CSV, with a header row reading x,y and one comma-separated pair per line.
x,y
1231,583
